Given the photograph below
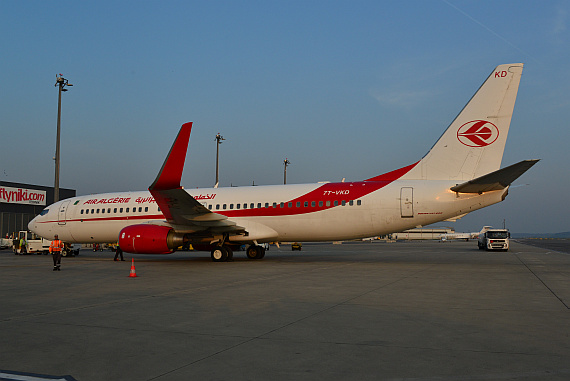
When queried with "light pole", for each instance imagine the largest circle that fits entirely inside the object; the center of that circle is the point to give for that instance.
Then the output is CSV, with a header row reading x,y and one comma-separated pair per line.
x,y
219,139
285,163
61,82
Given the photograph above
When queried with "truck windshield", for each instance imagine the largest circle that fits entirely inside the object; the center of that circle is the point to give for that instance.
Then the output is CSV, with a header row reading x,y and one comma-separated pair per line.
x,y
497,235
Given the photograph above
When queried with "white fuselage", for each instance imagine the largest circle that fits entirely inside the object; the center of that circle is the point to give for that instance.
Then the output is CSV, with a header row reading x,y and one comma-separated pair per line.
x,y
310,212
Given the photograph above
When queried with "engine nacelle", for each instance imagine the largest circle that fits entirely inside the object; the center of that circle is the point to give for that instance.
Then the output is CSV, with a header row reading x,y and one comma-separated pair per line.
x,y
149,239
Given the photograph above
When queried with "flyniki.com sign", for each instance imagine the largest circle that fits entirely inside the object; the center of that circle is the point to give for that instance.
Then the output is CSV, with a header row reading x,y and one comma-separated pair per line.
x,y
22,196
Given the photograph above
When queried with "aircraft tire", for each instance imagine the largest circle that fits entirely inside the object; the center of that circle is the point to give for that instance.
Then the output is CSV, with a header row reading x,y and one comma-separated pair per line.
x,y
251,252
230,253
260,252
219,254
255,252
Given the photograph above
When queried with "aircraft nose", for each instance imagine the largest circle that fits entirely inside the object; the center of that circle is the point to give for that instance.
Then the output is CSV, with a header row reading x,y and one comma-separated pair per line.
x,y
32,225
35,227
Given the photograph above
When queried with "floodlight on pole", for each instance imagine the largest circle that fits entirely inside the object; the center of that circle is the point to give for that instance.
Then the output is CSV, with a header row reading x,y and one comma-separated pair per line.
x,y
61,83
219,139
285,163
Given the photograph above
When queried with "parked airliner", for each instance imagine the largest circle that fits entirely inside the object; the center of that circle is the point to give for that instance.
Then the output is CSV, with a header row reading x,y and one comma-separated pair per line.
x,y
460,173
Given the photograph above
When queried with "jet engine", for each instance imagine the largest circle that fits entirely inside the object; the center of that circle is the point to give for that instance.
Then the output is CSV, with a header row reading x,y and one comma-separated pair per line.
x,y
149,239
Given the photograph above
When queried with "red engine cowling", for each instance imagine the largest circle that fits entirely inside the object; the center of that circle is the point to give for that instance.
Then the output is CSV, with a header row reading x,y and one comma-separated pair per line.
x,y
149,239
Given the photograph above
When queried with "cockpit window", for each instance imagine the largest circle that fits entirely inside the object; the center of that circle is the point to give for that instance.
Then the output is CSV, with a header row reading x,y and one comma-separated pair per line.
x,y
44,212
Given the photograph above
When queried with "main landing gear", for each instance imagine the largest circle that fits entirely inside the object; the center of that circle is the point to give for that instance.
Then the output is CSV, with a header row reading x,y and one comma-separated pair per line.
x,y
224,253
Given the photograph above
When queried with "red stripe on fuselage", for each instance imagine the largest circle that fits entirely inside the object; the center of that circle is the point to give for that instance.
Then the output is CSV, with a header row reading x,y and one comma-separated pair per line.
x,y
393,175
329,192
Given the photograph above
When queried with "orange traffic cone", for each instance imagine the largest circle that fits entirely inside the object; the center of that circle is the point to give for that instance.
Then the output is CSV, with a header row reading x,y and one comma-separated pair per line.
x,y
133,273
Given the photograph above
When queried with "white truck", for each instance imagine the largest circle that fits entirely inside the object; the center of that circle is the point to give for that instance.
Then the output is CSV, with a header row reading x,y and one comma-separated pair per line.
x,y
494,239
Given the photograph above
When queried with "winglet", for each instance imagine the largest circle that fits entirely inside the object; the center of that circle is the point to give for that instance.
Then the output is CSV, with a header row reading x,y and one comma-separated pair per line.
x,y
171,171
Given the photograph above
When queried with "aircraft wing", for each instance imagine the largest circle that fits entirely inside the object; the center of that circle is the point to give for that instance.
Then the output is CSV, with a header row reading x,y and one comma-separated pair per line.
x,y
179,207
497,180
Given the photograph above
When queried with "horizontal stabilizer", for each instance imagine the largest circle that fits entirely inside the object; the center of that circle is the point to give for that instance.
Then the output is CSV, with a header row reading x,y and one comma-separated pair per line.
x,y
495,180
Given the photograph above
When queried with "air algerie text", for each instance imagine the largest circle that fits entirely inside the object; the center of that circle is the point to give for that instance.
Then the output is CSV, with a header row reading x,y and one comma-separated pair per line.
x,y
119,200
116,200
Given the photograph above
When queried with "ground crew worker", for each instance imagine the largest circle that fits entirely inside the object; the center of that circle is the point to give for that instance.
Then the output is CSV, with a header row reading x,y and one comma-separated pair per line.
x,y
22,246
117,253
55,249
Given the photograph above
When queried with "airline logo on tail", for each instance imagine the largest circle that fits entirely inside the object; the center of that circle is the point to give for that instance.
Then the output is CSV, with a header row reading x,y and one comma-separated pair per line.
x,y
478,133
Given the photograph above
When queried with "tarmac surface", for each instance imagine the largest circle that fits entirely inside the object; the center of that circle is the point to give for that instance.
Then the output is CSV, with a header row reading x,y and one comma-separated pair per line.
x,y
356,311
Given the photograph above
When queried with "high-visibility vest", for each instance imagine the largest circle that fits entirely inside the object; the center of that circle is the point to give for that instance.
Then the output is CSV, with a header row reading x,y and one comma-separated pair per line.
x,y
55,245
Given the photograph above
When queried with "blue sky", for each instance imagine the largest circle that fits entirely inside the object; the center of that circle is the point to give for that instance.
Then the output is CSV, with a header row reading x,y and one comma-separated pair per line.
x,y
343,89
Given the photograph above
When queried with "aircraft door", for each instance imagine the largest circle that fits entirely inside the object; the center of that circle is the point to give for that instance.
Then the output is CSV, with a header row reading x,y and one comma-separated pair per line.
x,y
61,216
407,202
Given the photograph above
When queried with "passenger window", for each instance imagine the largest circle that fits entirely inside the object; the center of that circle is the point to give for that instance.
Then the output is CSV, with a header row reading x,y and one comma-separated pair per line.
x,y
126,211
209,207
313,204
259,204
351,203
298,204
290,205
252,205
267,205
102,210
115,210
146,208
328,203
140,209
281,205
320,203
217,206
231,206
81,211
275,205
358,202
306,203
224,206
121,210
98,211
343,203
238,206
335,203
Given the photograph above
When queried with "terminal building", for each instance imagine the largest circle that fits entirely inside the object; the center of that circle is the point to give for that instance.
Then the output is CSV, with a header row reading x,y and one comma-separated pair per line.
x,y
20,203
